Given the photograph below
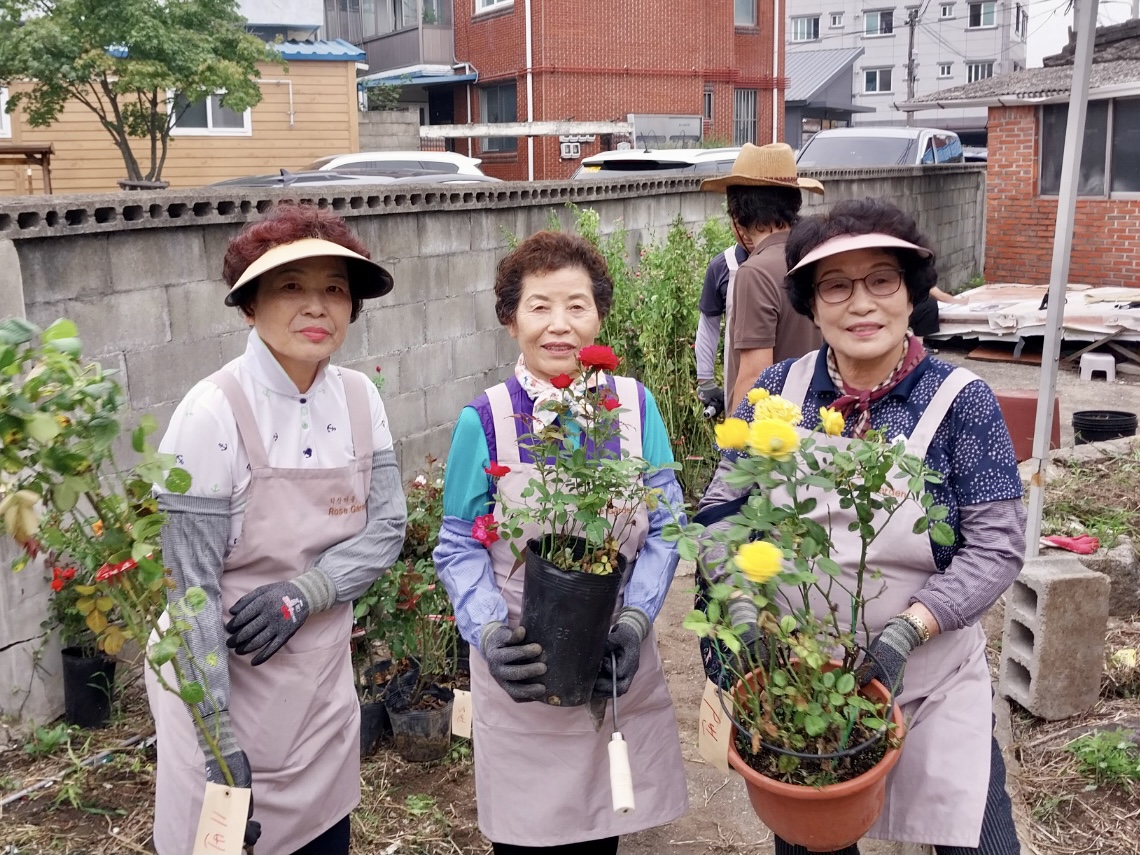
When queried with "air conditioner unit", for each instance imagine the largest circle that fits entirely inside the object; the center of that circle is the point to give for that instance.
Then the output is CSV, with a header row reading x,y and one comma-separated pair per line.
x,y
571,150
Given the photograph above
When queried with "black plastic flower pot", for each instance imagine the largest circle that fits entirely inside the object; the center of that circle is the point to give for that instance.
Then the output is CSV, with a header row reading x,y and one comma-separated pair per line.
x,y
421,735
374,726
569,613
88,683
1101,425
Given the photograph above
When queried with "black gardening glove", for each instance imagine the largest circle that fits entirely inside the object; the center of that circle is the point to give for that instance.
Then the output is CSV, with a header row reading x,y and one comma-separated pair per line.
x,y
512,663
238,765
886,657
624,642
265,618
712,396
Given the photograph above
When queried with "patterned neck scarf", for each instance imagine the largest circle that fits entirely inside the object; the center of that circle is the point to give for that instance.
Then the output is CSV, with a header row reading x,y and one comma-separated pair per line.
x,y
858,401
543,393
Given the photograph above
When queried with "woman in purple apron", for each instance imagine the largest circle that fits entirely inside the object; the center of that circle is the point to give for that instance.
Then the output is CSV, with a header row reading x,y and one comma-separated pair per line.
x,y
541,772
295,507
858,271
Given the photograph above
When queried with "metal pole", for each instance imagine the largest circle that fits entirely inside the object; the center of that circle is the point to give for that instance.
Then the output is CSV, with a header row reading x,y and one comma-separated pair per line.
x,y
1085,26
912,23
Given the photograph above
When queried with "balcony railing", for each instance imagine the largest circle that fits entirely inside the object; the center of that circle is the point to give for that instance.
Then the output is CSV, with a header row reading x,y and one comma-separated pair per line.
x,y
394,33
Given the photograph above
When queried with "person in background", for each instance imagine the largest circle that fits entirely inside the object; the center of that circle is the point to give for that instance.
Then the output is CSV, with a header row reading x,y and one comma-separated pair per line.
x,y
294,508
719,278
541,771
858,271
764,198
924,317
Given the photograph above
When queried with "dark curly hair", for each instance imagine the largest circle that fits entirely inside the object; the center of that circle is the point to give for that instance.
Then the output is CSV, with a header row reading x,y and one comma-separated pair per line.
x,y
858,217
764,207
286,222
545,252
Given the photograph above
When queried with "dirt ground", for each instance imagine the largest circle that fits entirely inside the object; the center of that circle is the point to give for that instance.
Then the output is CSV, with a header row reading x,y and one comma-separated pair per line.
x,y
430,808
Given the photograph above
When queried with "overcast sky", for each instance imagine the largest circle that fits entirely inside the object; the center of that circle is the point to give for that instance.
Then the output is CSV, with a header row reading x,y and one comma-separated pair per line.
x,y
1049,24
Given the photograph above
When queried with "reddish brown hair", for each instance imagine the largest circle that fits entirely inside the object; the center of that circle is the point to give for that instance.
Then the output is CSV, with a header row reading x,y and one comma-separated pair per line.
x,y
545,252
286,222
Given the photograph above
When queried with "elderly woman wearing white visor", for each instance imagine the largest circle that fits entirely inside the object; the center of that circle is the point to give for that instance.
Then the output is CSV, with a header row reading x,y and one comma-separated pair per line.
x,y
295,507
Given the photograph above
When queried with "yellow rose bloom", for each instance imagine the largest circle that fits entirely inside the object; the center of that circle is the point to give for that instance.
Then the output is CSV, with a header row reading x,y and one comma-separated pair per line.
x,y
732,433
759,560
831,421
755,396
775,407
773,438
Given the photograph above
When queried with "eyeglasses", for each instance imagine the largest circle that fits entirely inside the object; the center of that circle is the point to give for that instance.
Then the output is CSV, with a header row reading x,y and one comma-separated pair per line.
x,y
881,283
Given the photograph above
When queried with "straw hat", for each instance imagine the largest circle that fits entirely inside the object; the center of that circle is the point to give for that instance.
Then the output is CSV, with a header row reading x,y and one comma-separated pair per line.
x,y
771,165
366,278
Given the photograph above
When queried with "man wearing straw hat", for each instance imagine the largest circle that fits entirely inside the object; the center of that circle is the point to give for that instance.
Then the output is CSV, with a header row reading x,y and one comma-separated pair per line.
x,y
761,327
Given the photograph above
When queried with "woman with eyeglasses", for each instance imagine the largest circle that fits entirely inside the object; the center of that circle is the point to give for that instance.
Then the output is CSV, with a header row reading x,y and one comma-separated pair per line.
x,y
857,272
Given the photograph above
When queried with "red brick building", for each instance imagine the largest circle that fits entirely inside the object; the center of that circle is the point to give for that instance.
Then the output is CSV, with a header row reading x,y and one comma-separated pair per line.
x,y
602,60
1027,115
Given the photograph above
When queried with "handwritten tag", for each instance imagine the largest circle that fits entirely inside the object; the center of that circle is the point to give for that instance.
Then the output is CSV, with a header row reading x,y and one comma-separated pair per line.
x,y
714,731
221,826
461,714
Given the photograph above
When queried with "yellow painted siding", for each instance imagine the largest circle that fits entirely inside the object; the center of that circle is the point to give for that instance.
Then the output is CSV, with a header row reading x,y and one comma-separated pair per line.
x,y
86,160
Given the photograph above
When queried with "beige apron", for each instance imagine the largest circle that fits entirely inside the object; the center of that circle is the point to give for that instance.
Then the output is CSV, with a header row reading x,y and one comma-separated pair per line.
x,y
937,792
296,716
542,772
733,266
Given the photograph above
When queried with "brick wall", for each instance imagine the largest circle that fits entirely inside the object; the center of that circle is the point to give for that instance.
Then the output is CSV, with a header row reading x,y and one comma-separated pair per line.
x,y
597,60
1020,224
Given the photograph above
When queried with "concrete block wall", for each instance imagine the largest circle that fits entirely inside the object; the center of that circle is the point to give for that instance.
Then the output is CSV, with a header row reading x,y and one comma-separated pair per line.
x,y
389,130
1052,654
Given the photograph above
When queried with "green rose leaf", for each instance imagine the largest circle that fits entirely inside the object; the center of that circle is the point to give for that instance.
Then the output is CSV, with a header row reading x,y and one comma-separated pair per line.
x,y
42,428
16,331
73,347
192,693
195,600
845,683
165,650
63,328
942,534
828,566
178,481
687,549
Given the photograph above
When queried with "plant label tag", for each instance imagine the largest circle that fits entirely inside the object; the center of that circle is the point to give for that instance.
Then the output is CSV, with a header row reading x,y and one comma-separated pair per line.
x,y
461,714
221,825
714,730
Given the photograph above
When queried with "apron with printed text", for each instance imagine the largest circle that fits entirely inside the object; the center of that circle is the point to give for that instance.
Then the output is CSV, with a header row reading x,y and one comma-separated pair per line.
x,y
542,772
936,794
296,716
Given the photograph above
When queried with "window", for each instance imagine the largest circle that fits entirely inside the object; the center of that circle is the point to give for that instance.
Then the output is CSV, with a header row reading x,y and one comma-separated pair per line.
x,y
946,10
744,13
1108,165
805,29
5,119
877,80
1020,21
208,117
481,5
981,15
388,16
708,103
499,104
836,20
744,116
945,68
978,71
879,23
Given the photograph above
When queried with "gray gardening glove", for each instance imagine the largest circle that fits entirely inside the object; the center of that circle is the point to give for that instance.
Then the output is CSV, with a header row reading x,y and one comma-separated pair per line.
x,y
887,655
219,725
711,395
512,663
267,617
742,612
624,642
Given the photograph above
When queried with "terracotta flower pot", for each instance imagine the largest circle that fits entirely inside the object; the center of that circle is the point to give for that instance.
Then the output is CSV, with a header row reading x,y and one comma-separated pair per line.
x,y
822,819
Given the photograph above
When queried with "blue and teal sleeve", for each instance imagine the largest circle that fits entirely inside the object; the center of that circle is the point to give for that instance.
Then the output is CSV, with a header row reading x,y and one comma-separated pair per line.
x,y
655,445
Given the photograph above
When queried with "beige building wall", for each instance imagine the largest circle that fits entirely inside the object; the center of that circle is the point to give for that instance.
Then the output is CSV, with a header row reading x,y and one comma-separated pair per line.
x,y
325,121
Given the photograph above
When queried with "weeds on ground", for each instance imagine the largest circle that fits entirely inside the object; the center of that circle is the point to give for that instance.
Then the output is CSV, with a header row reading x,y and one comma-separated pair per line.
x,y
48,740
1108,511
1108,757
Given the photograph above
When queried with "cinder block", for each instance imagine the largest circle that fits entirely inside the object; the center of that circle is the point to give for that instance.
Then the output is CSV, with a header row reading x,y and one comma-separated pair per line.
x,y
413,450
63,269
442,233
136,258
164,374
444,402
111,322
429,365
198,310
395,328
1122,567
477,353
405,413
450,319
472,272
1053,646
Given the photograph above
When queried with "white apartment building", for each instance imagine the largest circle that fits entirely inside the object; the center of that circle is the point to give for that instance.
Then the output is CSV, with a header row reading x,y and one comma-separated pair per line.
x,y
955,42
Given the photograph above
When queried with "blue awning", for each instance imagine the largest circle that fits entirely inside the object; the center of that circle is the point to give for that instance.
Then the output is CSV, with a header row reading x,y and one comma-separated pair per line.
x,y
327,50
418,80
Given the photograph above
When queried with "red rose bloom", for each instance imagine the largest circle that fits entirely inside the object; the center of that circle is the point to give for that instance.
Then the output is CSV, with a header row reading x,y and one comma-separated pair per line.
x,y
110,571
484,529
610,402
598,356
60,576
562,381
495,470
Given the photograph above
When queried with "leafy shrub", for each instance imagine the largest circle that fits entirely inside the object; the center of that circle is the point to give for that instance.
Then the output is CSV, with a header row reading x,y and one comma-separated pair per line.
x,y
1108,757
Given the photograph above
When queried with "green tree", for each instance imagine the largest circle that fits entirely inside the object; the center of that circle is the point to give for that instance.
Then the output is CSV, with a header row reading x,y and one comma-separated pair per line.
x,y
122,59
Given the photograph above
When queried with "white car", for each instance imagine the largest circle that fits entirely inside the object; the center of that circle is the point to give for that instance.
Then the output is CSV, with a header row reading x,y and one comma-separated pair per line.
x,y
668,161
387,162
873,146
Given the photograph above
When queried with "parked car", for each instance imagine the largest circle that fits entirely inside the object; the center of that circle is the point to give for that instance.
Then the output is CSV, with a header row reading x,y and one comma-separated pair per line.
x,y
363,162
671,161
311,178
880,147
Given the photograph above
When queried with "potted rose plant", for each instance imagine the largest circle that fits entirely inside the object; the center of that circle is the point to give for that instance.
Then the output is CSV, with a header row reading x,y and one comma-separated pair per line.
x,y
583,499
63,493
807,735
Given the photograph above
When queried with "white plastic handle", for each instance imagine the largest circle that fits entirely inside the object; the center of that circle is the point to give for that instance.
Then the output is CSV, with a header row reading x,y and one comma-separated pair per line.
x,y
621,779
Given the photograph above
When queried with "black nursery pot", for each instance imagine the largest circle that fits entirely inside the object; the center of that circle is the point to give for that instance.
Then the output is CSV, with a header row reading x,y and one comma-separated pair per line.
x,y
374,726
569,613
87,685
1102,425
420,735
